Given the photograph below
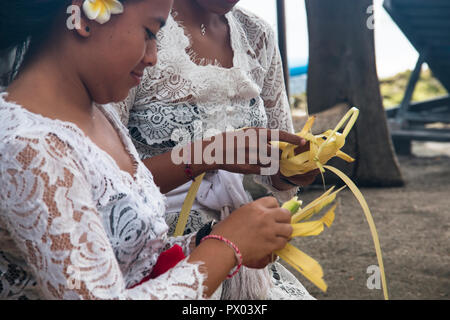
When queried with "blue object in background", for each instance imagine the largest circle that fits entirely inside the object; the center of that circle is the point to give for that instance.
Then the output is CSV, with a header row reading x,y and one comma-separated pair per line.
x,y
298,75
298,70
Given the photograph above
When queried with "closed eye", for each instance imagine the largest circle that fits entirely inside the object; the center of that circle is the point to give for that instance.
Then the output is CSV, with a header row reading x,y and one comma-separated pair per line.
x,y
150,35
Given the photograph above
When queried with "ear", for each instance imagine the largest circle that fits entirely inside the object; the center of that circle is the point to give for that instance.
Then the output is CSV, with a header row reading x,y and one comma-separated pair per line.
x,y
83,24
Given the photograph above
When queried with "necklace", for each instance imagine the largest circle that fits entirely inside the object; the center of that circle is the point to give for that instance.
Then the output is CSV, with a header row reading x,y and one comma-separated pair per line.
x,y
203,29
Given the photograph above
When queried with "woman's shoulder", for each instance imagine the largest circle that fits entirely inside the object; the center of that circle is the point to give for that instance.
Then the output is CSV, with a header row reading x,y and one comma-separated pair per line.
x,y
23,133
251,22
16,121
257,37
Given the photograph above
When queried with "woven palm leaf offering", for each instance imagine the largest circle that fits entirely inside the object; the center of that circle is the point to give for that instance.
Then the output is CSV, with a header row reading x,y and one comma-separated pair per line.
x,y
323,147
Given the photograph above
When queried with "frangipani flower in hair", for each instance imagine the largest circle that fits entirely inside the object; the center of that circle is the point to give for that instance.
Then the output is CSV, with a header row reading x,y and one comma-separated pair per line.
x,y
101,10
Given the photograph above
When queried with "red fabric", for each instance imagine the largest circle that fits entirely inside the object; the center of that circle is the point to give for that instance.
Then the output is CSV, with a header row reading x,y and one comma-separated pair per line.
x,y
167,260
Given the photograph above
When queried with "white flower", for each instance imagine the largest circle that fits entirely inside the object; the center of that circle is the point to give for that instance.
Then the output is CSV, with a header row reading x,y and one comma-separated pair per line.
x,y
101,10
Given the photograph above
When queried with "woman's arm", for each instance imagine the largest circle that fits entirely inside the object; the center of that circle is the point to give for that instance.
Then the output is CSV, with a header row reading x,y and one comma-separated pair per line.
x,y
46,204
169,173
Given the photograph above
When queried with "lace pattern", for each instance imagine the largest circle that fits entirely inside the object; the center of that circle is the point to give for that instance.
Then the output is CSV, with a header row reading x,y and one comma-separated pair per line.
x,y
72,224
179,100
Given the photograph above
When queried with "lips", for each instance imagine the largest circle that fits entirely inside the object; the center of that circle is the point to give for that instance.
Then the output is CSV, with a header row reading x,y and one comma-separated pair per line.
x,y
137,76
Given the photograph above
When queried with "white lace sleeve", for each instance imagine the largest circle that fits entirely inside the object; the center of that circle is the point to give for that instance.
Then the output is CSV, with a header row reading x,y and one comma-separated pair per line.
x,y
277,108
46,205
273,93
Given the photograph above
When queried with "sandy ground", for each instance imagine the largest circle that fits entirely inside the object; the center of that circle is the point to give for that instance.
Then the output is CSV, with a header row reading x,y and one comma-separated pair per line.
x,y
413,226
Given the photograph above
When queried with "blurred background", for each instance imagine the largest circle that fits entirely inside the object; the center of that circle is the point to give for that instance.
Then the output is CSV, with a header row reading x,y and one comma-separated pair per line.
x,y
407,186
395,55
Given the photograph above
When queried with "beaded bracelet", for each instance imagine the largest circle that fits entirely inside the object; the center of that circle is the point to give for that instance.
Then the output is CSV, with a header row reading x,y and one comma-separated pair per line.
x,y
188,170
233,246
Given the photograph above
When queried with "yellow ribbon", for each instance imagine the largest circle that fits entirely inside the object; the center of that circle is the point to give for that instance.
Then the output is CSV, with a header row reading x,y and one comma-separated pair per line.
x,y
322,148
187,205
299,260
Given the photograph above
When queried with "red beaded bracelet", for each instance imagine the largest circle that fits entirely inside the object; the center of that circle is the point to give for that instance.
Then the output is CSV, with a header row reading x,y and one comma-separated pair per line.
x,y
233,246
188,170
189,173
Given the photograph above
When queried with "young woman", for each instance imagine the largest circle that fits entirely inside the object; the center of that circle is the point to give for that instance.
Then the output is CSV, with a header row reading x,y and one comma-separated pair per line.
x,y
219,70
80,215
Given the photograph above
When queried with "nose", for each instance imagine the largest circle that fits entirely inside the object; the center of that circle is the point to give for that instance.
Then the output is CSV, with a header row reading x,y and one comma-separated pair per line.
x,y
151,55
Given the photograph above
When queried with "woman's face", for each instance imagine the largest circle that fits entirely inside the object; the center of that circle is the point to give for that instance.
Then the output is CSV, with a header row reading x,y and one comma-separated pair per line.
x,y
113,55
220,7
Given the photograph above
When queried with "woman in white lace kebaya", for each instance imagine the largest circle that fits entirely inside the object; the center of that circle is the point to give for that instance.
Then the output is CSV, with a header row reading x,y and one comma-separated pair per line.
x,y
80,215
219,69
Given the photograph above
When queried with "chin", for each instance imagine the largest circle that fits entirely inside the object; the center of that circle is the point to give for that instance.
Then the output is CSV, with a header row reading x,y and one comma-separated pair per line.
x,y
221,10
118,98
228,5
220,7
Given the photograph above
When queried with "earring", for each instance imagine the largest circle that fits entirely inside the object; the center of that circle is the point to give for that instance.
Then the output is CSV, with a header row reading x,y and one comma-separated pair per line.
x,y
87,29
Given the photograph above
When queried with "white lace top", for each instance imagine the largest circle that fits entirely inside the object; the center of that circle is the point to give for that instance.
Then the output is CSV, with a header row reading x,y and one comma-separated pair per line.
x,y
72,224
179,100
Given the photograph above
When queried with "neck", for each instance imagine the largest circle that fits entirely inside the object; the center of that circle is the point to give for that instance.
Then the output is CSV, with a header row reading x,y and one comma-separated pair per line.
x,y
192,14
49,84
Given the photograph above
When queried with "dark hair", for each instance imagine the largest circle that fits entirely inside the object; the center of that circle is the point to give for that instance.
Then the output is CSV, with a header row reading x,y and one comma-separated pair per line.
x,y
24,24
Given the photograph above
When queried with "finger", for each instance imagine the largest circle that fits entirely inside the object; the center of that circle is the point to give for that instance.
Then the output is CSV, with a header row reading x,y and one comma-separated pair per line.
x,y
285,137
309,174
306,178
309,181
264,159
304,181
302,148
281,215
267,160
279,243
269,202
291,138
283,230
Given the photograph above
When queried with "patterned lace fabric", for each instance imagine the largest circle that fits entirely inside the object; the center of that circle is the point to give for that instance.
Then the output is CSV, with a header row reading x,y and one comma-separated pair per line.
x,y
179,100
75,226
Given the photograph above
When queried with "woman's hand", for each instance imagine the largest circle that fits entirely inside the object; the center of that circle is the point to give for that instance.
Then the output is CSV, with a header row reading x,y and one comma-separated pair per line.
x,y
303,179
258,229
248,151
282,182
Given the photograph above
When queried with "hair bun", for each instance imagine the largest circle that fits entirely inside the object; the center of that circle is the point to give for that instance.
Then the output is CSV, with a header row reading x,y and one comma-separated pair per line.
x,y
21,20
